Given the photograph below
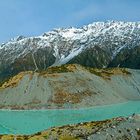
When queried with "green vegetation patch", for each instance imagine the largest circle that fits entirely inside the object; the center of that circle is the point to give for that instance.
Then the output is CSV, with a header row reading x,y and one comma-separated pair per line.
x,y
108,72
58,69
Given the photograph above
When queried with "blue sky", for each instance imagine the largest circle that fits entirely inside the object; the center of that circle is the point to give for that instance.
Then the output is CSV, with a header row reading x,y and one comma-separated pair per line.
x,y
34,17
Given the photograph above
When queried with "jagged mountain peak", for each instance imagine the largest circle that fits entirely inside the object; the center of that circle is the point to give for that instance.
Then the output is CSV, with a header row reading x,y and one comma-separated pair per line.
x,y
95,30
18,38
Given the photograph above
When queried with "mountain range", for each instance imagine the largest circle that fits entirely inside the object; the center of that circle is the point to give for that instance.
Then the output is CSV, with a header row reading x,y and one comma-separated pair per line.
x,y
100,44
71,69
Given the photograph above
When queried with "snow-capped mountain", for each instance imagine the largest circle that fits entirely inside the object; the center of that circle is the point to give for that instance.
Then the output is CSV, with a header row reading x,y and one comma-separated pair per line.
x,y
98,45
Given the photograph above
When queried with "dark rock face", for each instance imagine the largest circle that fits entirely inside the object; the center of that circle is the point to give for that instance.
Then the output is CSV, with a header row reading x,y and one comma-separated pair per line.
x,y
129,58
33,61
39,60
92,57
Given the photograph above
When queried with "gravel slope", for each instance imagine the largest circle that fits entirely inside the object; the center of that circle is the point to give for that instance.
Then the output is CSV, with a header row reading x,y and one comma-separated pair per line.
x,y
72,86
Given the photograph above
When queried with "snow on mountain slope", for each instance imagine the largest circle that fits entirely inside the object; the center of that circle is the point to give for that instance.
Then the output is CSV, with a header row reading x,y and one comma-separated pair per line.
x,y
64,44
121,34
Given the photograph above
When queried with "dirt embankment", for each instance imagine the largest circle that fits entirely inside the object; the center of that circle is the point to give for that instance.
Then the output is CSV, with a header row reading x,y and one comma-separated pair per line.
x,y
70,86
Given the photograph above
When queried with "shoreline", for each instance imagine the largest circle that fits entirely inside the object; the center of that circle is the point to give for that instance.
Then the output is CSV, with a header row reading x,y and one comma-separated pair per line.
x,y
61,109
41,122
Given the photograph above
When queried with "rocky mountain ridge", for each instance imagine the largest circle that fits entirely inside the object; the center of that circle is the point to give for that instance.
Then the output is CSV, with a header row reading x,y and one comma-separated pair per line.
x,y
100,44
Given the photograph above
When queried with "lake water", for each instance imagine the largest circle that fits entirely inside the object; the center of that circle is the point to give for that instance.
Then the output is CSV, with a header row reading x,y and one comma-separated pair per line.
x,y
29,122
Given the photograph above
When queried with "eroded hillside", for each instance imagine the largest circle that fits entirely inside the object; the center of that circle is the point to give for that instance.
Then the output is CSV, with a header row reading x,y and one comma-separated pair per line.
x,y
70,86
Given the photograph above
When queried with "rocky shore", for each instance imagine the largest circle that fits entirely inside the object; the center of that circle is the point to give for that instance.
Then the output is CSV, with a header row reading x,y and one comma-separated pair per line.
x,y
120,128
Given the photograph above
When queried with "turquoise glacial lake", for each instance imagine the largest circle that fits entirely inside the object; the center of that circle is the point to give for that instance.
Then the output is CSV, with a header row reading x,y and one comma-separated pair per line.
x,y
32,121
